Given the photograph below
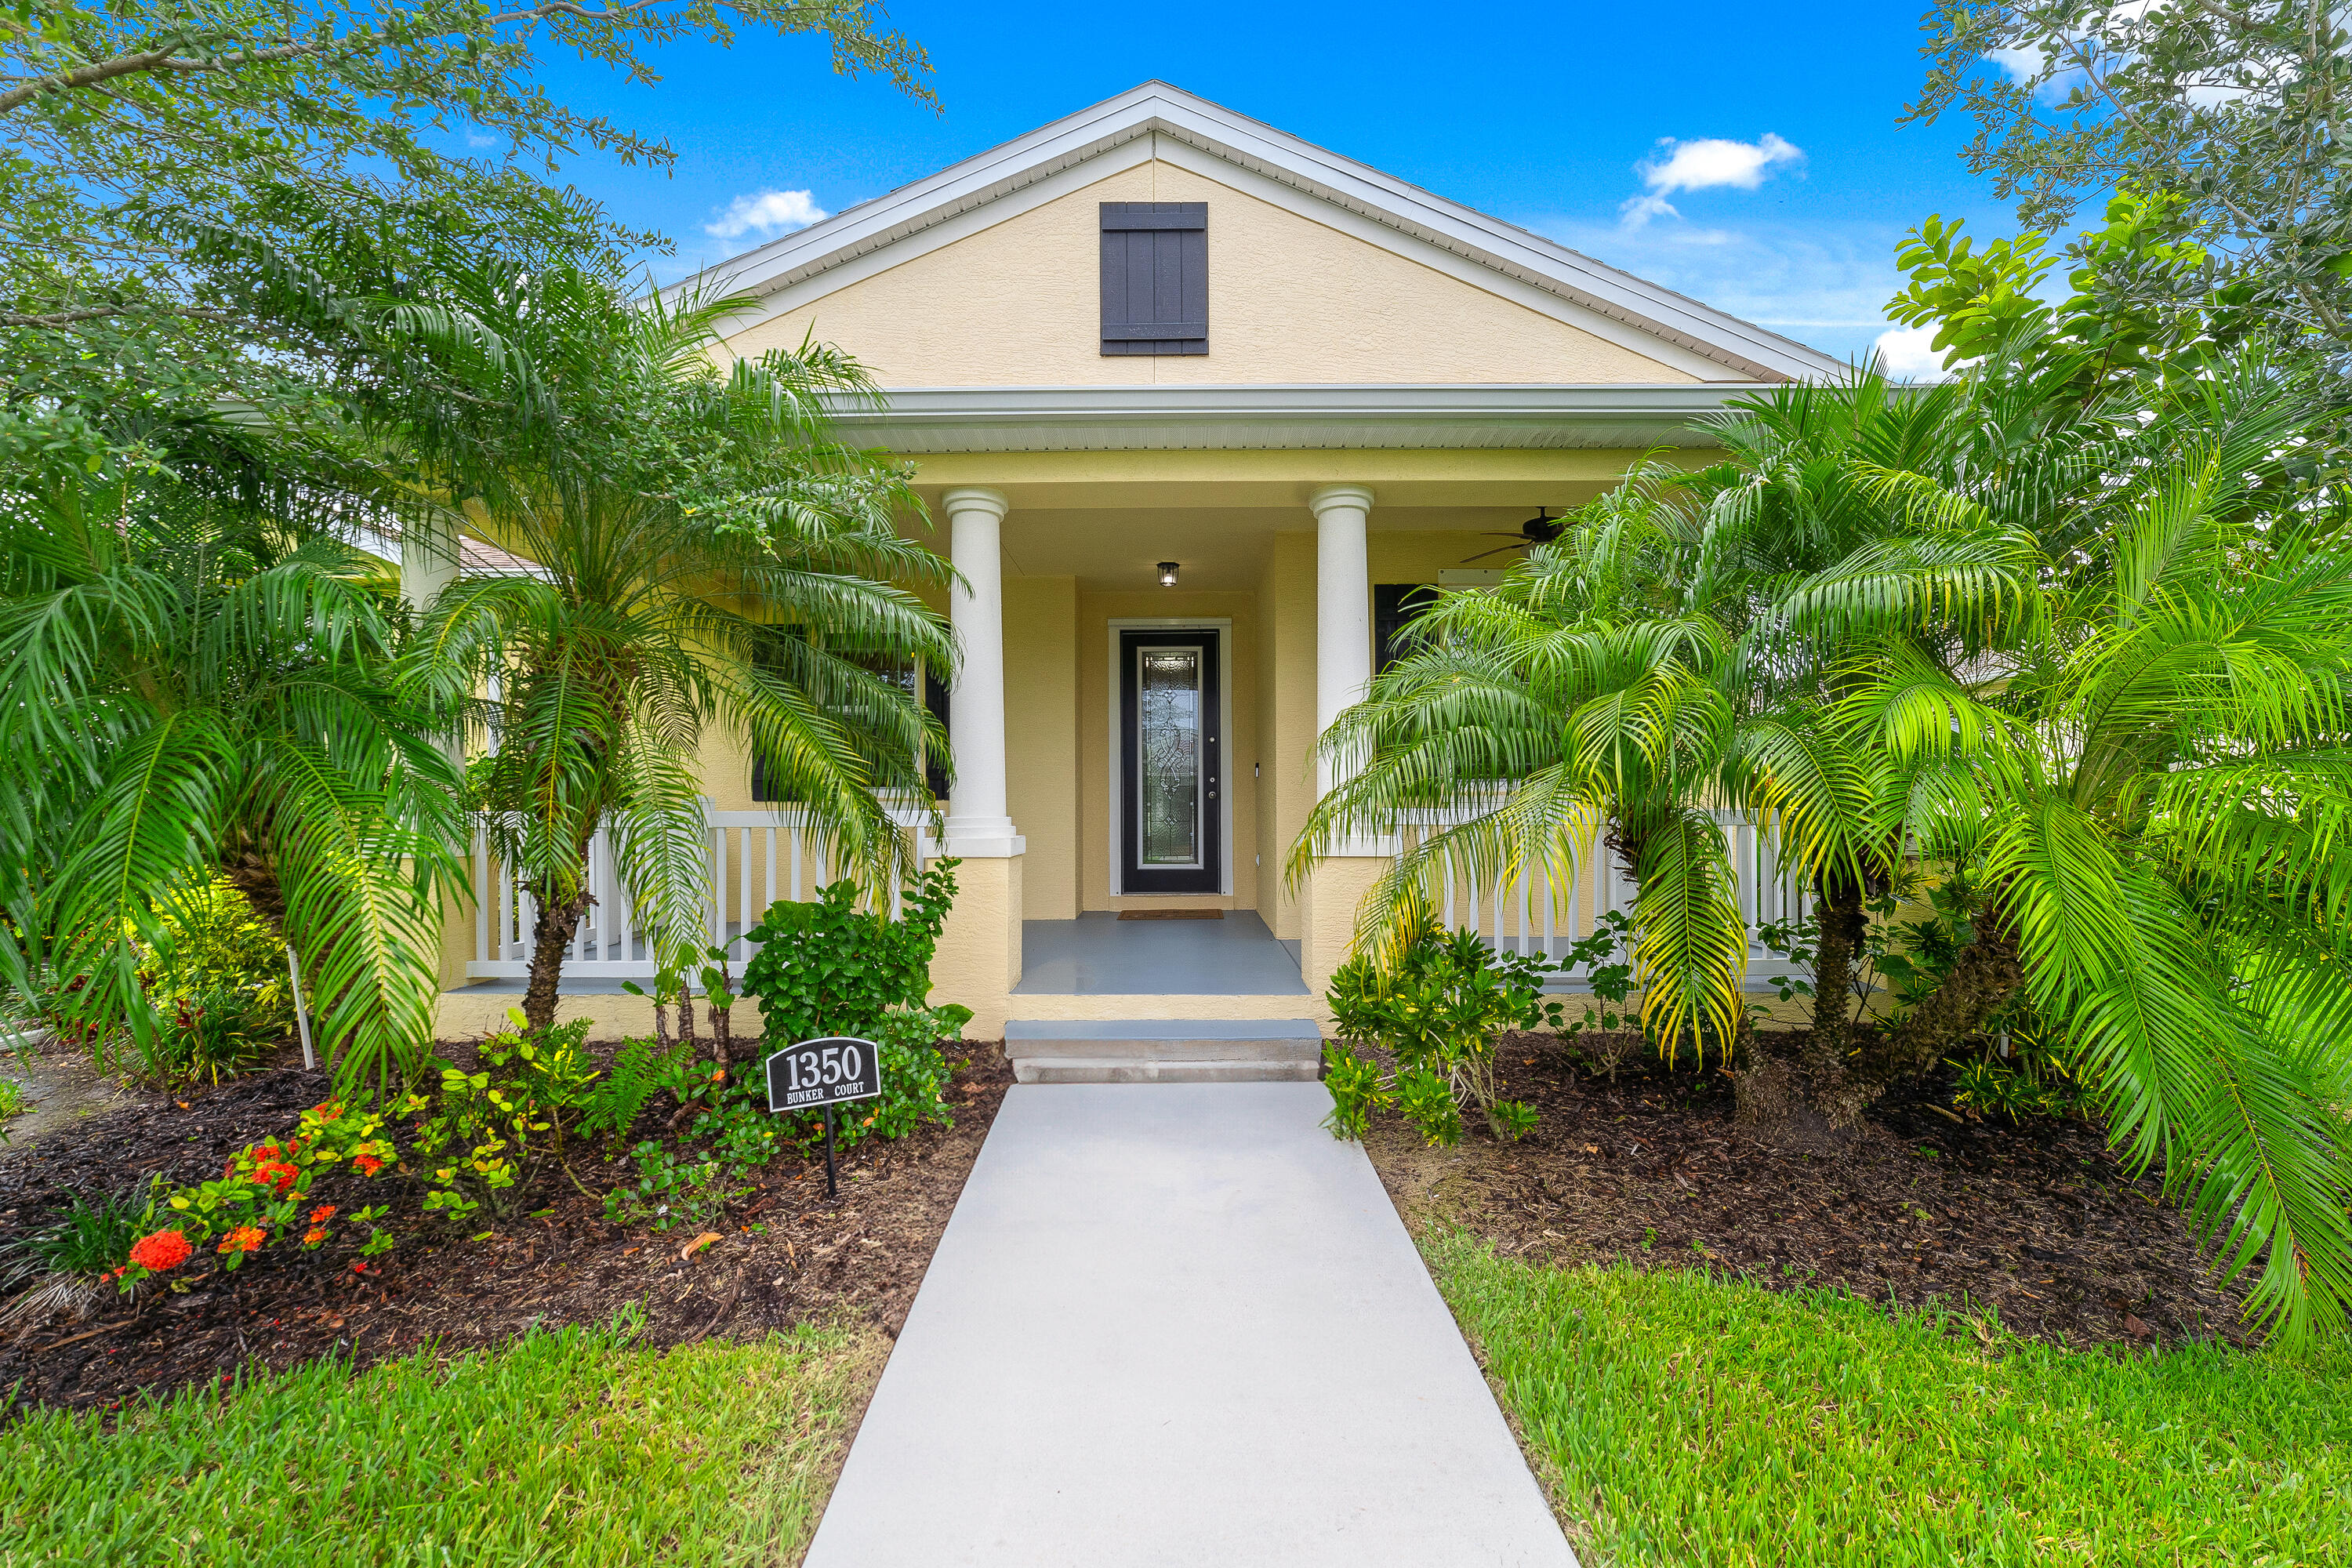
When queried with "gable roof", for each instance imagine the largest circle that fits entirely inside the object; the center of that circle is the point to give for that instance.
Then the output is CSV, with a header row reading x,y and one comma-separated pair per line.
x,y
1742,349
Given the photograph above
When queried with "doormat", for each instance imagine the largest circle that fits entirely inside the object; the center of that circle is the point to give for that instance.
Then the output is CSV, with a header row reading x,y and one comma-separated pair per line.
x,y
1171,914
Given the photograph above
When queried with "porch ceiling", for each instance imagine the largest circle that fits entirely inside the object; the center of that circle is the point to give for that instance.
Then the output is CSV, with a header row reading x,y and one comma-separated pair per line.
x,y
1221,547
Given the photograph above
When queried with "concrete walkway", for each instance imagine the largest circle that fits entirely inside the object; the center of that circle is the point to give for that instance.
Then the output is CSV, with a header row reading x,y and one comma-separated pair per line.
x,y
1179,1324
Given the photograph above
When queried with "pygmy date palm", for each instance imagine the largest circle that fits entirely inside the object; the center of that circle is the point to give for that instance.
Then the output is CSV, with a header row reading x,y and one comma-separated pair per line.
x,y
198,685
706,558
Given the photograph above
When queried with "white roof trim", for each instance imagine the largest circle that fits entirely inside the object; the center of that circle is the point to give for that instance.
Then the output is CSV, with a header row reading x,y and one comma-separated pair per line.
x,y
927,420
1747,351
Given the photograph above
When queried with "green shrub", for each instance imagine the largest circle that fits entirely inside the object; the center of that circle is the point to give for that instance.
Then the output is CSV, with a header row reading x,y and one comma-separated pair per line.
x,y
222,1029
1439,1011
219,983
1357,1090
13,1103
675,1188
477,1145
827,967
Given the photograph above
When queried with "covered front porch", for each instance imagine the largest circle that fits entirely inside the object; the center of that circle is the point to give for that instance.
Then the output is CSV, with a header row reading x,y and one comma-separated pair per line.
x,y
1166,596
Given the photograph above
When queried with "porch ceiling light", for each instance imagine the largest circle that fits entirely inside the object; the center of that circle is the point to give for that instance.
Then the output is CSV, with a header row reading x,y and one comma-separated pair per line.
x,y
1168,573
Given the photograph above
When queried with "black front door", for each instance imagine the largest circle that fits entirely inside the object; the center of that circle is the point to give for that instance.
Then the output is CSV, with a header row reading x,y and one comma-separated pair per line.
x,y
1171,768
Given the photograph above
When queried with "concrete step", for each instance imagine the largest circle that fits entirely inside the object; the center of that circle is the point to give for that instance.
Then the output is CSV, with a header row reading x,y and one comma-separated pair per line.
x,y
1164,1050
1131,1069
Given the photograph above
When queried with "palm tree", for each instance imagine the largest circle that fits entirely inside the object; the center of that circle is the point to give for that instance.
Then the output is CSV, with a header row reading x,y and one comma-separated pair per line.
x,y
2094,675
1677,651
198,686
706,558
2149,803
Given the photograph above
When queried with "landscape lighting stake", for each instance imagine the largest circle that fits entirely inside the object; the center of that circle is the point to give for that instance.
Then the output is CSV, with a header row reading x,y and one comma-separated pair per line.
x,y
301,1019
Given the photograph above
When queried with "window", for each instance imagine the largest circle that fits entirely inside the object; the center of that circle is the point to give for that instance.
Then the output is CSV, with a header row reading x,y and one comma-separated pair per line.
x,y
1155,277
909,677
1395,605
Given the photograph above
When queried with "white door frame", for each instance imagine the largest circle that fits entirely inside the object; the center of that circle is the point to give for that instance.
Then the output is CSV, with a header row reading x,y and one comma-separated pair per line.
x,y
1223,626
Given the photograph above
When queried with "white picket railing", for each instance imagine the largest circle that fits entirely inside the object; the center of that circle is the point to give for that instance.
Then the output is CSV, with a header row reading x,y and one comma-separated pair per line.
x,y
1522,916
752,859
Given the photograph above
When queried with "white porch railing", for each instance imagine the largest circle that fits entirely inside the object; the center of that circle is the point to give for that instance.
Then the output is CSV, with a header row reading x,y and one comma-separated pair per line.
x,y
752,859
1523,917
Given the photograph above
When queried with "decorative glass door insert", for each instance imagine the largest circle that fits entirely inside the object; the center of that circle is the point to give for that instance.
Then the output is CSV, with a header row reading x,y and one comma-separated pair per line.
x,y
1170,771
1169,742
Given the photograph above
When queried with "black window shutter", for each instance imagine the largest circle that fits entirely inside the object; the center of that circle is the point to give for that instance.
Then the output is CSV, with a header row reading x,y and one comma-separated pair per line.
x,y
1155,277
1395,605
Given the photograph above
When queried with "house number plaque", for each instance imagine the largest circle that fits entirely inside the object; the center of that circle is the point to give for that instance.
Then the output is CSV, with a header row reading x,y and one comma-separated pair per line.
x,y
825,1073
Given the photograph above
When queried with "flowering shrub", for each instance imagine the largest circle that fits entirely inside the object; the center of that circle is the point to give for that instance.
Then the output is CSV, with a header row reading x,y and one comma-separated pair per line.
x,y
165,1249
261,1193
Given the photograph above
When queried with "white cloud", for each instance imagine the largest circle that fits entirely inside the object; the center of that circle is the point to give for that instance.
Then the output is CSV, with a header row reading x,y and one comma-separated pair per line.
x,y
1906,354
1710,163
770,211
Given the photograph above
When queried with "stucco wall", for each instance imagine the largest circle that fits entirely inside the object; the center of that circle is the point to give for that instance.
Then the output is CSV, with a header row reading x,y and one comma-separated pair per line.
x,y
1041,729
1290,299
1289,779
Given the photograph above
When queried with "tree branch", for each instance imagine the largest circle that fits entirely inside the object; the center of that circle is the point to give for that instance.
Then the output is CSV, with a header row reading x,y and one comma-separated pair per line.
x,y
158,61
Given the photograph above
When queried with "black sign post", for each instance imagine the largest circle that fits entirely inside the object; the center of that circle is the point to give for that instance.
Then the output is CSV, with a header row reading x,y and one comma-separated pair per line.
x,y
825,1072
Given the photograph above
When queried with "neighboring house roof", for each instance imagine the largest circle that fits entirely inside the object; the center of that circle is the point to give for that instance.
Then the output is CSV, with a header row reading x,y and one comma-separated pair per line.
x,y
475,557
779,272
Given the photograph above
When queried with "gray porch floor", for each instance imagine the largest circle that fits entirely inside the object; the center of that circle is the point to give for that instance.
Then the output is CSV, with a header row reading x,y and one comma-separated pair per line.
x,y
1102,955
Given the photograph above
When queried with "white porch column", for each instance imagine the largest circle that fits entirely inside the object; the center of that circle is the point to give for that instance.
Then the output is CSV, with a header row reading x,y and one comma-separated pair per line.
x,y
428,561
977,826
1343,612
1343,667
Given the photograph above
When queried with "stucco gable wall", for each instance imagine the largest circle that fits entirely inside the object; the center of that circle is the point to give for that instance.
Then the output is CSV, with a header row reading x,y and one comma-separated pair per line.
x,y
1290,299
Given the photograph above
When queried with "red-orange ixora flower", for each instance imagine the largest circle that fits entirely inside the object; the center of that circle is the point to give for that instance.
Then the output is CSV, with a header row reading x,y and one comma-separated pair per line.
x,y
368,1164
315,1235
322,1214
359,1268
165,1249
245,1238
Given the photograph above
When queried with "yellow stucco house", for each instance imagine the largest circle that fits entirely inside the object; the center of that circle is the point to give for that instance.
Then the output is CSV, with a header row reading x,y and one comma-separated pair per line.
x,y
1195,405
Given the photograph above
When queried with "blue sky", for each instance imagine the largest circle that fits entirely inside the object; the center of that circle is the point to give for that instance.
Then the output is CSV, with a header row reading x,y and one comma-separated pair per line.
x,y
1636,133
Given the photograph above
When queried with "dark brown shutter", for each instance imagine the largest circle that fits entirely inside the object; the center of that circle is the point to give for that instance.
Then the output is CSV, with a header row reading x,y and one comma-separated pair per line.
x,y
1155,277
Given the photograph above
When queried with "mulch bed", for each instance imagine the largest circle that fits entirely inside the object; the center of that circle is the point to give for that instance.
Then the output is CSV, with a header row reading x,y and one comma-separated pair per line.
x,y
788,1255
2038,1223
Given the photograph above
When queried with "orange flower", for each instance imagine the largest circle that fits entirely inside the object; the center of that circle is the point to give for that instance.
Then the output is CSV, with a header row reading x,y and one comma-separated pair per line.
x,y
245,1238
368,1164
315,1235
322,1214
165,1249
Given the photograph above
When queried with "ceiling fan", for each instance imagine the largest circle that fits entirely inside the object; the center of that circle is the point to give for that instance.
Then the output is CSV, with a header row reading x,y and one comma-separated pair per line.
x,y
1540,528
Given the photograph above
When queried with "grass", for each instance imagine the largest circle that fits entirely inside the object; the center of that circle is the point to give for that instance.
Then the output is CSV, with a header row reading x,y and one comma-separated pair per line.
x,y
564,1447
12,1100
1686,1421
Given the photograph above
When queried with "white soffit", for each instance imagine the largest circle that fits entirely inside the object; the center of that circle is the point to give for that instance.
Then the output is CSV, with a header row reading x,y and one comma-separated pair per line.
x,y
923,420
1159,120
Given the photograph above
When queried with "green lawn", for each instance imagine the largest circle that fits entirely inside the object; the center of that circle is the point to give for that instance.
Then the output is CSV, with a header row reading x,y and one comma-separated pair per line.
x,y
1686,1421
569,1447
